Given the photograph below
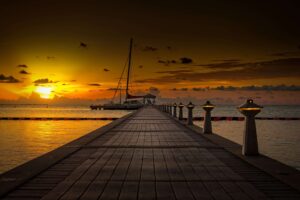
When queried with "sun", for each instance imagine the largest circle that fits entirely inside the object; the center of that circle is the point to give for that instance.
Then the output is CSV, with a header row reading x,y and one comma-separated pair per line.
x,y
45,92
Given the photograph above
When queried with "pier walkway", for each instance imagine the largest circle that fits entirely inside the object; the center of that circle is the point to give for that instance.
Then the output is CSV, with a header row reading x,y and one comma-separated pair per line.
x,y
146,155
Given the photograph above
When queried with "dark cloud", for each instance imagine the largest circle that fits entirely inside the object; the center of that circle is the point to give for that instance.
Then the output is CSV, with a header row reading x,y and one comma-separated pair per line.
x,y
286,54
24,72
226,60
169,48
293,53
43,81
254,88
221,65
8,79
98,90
153,89
106,70
177,72
22,66
50,57
149,48
83,45
113,89
185,60
167,62
94,84
270,69
199,89
223,88
180,89
269,88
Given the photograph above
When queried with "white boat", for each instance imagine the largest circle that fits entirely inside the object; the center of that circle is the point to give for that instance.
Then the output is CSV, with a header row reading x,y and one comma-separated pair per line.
x,y
131,102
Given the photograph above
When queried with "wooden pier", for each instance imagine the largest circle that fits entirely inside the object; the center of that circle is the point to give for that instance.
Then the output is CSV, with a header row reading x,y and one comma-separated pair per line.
x,y
150,155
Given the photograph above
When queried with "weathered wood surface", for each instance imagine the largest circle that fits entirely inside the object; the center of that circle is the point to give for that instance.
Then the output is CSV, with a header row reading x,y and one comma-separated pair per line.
x,y
151,156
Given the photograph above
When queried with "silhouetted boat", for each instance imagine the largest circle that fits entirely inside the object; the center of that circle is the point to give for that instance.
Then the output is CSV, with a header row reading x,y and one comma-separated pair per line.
x,y
131,102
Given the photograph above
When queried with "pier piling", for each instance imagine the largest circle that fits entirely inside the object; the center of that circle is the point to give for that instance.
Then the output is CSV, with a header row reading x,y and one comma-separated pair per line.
x,y
190,108
208,107
250,109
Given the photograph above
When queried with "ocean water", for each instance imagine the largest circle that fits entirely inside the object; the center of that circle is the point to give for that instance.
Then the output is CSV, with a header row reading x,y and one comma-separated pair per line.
x,y
23,140
278,139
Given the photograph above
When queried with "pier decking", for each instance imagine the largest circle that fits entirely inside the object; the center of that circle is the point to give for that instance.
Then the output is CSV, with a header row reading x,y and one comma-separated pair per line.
x,y
146,155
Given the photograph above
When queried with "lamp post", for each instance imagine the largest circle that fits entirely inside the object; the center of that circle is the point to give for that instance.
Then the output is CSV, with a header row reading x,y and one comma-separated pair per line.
x,y
174,110
190,107
180,117
208,107
250,109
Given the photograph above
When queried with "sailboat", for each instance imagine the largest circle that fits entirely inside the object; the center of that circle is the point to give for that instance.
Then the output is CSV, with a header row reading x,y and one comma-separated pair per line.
x,y
131,102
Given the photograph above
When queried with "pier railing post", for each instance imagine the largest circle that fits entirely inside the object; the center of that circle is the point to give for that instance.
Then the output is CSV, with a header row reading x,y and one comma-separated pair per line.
x,y
174,110
190,107
250,146
180,117
208,107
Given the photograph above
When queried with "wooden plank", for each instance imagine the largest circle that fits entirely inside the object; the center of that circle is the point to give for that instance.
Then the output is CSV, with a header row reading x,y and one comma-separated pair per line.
x,y
120,172
109,167
148,166
185,167
135,168
112,190
129,190
174,170
62,187
217,191
234,191
94,191
161,170
182,191
147,190
78,188
164,191
199,191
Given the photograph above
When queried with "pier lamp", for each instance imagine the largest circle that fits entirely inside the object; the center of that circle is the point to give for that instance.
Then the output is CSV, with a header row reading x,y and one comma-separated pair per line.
x,y
180,117
208,107
250,109
190,107
174,110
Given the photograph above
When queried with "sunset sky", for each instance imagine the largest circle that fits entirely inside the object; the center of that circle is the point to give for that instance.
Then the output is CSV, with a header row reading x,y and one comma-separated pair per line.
x,y
221,50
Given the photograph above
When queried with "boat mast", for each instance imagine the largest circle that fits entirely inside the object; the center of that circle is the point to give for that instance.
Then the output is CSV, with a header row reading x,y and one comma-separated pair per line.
x,y
128,73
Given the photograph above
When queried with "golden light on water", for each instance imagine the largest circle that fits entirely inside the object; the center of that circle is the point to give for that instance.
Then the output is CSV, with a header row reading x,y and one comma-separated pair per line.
x,y
45,92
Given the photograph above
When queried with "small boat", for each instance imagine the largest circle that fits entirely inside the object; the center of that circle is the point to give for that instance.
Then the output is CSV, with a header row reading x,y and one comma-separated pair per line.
x,y
131,102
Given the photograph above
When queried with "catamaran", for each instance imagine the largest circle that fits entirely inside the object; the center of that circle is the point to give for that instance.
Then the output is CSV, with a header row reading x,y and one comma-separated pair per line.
x,y
131,102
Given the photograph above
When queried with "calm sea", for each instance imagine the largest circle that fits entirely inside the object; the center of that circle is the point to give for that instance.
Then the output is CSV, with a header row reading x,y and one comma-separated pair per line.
x,y
24,140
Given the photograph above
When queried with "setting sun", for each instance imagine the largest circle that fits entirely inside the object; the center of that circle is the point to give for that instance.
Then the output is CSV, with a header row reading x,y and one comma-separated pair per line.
x,y
45,92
